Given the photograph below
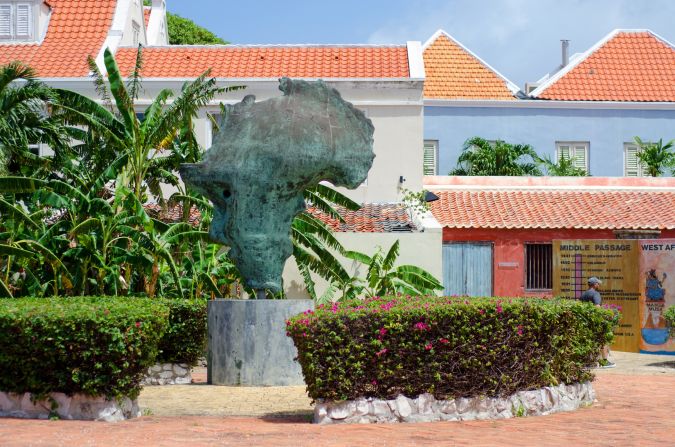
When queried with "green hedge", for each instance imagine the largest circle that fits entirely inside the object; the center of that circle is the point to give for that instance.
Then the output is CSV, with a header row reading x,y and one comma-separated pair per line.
x,y
448,347
669,315
185,339
90,345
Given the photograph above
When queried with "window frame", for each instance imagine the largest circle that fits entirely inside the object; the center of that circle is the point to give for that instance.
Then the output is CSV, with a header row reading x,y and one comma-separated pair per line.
x,y
14,6
572,144
641,167
435,145
526,267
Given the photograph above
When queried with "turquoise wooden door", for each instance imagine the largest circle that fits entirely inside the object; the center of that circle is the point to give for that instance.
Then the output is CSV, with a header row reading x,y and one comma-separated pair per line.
x,y
467,268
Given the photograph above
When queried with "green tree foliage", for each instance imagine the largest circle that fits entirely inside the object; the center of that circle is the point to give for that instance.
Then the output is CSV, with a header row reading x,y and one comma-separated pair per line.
x,y
656,156
480,157
564,167
184,31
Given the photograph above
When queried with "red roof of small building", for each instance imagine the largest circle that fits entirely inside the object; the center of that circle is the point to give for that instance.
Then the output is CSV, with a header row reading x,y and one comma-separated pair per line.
x,y
77,29
453,72
371,218
625,66
230,61
550,203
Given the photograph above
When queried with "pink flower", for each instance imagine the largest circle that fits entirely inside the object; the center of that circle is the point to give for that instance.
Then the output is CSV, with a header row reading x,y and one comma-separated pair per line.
x,y
520,329
381,352
422,326
383,332
499,309
444,341
374,382
482,311
138,324
428,346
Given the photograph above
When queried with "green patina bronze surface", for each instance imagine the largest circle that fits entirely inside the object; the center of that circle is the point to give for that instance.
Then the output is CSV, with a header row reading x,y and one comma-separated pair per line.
x,y
264,156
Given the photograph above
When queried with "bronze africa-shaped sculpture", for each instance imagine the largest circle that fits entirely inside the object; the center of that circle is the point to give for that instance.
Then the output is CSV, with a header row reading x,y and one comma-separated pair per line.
x,y
263,158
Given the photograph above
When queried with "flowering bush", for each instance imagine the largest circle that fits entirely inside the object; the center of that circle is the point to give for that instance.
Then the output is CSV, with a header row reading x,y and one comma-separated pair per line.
x,y
449,347
90,345
669,315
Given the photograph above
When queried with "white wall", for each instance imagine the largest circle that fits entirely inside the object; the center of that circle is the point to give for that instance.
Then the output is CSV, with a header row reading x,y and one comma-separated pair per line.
x,y
422,249
397,145
135,15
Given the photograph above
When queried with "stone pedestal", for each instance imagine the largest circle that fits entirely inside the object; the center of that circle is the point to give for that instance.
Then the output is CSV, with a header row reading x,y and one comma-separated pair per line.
x,y
247,342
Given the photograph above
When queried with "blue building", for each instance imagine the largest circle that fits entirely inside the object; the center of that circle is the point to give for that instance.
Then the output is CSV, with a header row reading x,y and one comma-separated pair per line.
x,y
590,109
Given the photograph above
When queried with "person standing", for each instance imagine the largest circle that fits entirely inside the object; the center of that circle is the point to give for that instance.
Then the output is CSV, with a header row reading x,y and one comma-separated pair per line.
x,y
592,295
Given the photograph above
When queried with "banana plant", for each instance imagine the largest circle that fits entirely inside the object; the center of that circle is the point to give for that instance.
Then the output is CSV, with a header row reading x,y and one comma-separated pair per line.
x,y
383,278
143,137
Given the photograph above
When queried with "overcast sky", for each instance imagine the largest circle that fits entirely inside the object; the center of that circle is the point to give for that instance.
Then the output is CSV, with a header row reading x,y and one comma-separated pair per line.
x,y
519,38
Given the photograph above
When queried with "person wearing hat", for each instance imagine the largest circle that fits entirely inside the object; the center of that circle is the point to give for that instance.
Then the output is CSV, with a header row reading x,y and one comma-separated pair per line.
x,y
593,296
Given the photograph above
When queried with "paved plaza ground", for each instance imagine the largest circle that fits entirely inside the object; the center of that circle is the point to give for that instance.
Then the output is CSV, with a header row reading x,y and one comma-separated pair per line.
x,y
635,406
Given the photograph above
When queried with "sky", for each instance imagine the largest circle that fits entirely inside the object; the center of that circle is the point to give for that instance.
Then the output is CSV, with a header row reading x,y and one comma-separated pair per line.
x,y
519,38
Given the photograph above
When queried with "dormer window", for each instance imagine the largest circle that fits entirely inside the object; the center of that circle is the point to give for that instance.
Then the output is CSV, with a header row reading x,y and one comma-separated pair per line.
x,y
17,21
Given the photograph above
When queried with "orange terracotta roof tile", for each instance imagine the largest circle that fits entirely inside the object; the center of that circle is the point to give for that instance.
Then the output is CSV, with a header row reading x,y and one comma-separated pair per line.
x,y
452,72
229,61
371,218
625,66
555,209
77,29
172,214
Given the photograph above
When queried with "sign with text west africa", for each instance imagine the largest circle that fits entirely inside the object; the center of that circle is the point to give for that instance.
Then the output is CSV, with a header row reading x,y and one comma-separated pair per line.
x,y
635,275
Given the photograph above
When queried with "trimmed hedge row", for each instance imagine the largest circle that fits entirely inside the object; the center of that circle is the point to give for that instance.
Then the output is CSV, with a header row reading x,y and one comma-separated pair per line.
x,y
449,347
89,345
185,338
669,315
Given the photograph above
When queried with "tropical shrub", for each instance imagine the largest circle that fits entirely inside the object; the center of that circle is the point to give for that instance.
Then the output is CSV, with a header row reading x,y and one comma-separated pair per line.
x,y
88,345
564,167
657,157
669,315
184,340
482,157
449,347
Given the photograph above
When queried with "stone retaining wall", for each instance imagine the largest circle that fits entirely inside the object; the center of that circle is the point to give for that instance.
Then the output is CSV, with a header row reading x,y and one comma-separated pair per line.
x,y
168,374
77,406
425,408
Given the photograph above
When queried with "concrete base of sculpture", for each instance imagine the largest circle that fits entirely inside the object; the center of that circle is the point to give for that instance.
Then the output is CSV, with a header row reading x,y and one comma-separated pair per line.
x,y
247,342
77,406
425,408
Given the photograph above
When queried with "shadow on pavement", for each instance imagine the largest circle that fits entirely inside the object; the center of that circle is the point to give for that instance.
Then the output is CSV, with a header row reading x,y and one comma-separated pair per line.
x,y
663,364
289,417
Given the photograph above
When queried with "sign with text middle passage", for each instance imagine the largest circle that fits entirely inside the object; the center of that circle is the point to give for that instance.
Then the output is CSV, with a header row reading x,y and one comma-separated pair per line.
x,y
615,262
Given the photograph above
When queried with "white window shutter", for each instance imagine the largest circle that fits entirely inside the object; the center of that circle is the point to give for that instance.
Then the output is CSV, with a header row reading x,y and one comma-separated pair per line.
x,y
23,21
430,158
580,157
564,152
632,162
5,21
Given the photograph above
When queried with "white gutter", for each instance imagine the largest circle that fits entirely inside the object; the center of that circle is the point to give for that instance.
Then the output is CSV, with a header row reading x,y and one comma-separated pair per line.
x,y
550,104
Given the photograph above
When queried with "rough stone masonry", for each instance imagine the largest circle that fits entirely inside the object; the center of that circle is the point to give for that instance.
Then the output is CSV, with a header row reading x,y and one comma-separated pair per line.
x,y
425,408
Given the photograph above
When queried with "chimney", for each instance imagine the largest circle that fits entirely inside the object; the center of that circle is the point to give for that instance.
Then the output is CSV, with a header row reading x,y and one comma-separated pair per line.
x,y
565,52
